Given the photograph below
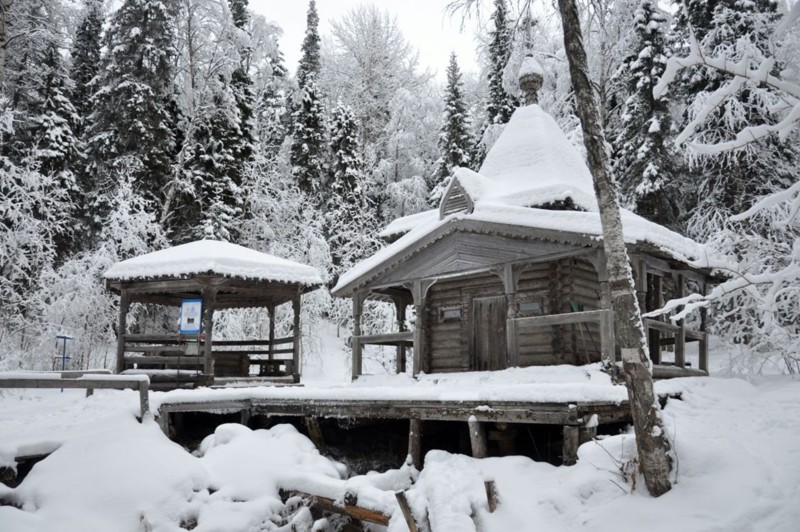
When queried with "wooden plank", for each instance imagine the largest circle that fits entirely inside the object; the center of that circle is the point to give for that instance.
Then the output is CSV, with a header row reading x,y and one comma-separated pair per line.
x,y
209,295
356,362
661,326
562,319
164,360
405,509
153,348
395,338
350,510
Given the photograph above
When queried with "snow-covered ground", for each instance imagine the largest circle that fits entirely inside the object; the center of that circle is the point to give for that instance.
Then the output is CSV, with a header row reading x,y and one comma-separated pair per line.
x,y
736,441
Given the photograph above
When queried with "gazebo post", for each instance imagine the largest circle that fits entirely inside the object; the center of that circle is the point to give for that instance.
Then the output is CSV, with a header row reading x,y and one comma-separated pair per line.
x,y
296,339
124,305
209,298
271,348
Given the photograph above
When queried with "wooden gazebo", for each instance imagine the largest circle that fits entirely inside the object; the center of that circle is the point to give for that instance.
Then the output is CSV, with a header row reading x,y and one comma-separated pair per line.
x,y
223,276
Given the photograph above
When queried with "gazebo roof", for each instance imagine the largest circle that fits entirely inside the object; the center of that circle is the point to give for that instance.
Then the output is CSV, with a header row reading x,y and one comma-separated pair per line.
x,y
216,258
241,276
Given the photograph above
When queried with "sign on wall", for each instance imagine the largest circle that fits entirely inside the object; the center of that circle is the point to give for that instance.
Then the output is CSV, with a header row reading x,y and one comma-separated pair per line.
x,y
191,316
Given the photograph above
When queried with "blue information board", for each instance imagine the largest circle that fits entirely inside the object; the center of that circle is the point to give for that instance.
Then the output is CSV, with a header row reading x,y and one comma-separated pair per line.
x,y
191,316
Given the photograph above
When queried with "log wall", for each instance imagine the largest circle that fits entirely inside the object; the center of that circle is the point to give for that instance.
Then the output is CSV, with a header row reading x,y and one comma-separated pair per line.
x,y
556,287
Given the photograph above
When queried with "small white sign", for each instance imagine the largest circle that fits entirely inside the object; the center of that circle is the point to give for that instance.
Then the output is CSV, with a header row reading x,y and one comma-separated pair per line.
x,y
191,316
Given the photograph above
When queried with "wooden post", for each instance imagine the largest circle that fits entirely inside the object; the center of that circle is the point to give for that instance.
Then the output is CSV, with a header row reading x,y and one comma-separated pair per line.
x,y
144,397
607,344
358,306
209,299
271,312
588,430
419,291
569,450
680,337
703,347
415,442
124,305
400,311
298,334
477,438
315,434
491,494
405,508
654,335
510,280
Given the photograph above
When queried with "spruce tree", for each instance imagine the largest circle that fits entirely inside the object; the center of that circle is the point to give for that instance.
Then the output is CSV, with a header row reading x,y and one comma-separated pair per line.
x,y
310,60
86,59
500,104
130,124
308,142
455,140
242,90
350,215
644,162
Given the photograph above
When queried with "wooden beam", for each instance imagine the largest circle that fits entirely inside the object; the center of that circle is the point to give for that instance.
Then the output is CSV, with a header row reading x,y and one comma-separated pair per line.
x,y
415,442
271,313
477,438
703,347
124,305
298,333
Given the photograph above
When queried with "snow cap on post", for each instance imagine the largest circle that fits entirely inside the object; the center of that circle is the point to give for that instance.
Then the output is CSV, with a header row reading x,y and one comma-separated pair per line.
x,y
531,77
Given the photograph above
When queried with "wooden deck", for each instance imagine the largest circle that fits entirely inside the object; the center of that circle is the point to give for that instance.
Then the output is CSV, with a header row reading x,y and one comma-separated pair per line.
x,y
578,420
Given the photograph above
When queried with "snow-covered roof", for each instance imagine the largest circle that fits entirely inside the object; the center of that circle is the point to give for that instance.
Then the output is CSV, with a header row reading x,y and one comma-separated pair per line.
x,y
532,163
636,230
213,256
405,224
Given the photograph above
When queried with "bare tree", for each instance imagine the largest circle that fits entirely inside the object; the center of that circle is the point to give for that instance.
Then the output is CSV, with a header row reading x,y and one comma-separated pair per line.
x,y
651,440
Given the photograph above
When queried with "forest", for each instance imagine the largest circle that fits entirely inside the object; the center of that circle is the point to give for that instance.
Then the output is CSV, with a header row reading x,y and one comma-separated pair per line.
x,y
127,127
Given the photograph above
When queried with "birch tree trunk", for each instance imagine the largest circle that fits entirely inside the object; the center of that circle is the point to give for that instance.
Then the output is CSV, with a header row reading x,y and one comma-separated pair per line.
x,y
651,442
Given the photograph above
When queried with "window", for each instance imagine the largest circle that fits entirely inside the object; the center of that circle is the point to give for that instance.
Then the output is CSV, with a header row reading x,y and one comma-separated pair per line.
x,y
530,307
450,313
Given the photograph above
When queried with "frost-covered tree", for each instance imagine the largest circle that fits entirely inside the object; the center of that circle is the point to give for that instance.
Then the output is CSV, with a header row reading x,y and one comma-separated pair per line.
x,y
368,61
499,104
308,150
242,90
758,307
130,121
309,64
729,182
645,163
455,141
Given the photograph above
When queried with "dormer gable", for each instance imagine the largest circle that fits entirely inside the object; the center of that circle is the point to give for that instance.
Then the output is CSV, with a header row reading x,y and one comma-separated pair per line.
x,y
465,188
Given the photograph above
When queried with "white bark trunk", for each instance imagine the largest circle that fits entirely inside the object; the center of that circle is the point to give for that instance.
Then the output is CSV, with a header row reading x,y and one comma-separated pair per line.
x,y
651,440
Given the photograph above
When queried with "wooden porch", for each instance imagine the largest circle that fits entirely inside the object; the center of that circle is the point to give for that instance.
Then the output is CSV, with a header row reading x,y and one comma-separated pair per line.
x,y
656,280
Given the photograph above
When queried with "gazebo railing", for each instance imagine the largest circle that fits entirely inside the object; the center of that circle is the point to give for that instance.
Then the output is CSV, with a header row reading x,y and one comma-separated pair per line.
x,y
232,358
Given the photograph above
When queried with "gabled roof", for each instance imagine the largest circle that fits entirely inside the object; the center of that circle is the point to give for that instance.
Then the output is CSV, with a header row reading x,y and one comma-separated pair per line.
x,y
213,257
496,218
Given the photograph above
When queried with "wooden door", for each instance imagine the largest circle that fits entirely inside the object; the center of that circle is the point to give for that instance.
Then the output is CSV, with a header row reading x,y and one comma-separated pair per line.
x,y
489,333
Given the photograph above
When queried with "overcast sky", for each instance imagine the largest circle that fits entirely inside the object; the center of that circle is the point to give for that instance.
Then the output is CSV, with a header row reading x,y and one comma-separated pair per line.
x,y
423,22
